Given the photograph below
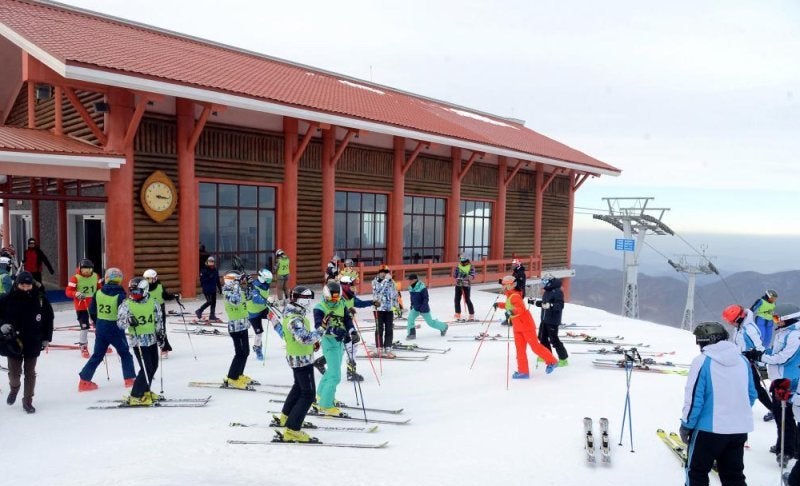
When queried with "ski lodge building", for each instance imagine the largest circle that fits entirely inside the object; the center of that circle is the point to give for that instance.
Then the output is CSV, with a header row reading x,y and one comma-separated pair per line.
x,y
131,146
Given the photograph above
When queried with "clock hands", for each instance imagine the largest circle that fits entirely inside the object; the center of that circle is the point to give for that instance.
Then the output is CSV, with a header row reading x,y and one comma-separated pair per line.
x,y
161,197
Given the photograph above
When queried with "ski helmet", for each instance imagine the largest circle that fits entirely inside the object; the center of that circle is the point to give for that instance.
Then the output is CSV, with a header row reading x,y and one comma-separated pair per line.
x,y
733,314
786,313
464,259
5,264
138,288
384,268
771,294
281,253
301,296
113,276
508,282
349,262
232,277
211,260
264,275
709,333
150,275
515,262
332,291
86,263
346,280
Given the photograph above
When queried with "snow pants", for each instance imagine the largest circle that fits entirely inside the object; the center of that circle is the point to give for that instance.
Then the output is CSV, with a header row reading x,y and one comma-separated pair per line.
x,y
300,398
211,301
429,320
457,301
790,429
241,350
83,323
147,357
108,334
384,329
523,339
282,290
765,329
332,350
15,369
726,449
548,335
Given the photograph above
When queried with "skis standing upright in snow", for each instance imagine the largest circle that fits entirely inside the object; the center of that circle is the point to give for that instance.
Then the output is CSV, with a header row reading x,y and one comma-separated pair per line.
x,y
589,446
605,447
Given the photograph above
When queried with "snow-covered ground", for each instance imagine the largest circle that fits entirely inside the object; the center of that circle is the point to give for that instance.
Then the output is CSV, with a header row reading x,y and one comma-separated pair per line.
x,y
467,428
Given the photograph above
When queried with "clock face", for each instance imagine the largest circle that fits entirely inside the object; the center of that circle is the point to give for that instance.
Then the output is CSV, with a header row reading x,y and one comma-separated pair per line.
x,y
158,196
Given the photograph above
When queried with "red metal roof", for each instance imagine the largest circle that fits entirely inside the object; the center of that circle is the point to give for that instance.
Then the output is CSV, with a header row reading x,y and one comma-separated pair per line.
x,y
15,139
82,39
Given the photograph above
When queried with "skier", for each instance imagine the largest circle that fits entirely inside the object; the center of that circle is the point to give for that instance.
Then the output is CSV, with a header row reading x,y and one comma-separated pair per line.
x,y
331,315
6,283
332,270
103,312
464,273
762,309
81,288
520,278
420,306
209,281
33,258
783,361
140,317
238,324
352,303
384,295
258,308
552,303
282,270
300,340
158,293
717,410
349,270
27,318
524,331
747,337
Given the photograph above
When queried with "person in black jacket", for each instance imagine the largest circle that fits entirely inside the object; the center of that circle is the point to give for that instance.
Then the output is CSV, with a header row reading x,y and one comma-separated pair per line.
x,y
519,276
209,281
30,317
552,303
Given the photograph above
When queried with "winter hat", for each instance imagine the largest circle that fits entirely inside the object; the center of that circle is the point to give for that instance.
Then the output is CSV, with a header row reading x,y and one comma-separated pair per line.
x,y
412,276
25,278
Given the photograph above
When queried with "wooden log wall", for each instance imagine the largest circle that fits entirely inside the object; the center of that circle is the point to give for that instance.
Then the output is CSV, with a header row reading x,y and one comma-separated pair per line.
x,y
555,214
520,209
480,182
429,176
308,261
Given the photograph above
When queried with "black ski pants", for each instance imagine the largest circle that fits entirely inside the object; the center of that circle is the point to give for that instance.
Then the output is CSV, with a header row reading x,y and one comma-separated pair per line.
x,y
241,350
211,301
548,335
457,301
384,329
301,396
726,449
763,395
166,346
790,429
147,357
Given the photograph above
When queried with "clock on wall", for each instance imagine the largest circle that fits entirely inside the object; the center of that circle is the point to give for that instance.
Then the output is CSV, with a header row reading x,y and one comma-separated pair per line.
x,y
159,196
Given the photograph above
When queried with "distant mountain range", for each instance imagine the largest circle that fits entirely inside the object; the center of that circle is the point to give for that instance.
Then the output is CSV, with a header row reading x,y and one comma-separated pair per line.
x,y
662,299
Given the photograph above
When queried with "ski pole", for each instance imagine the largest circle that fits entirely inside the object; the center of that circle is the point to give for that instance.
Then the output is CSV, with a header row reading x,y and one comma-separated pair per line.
x,y
366,350
105,360
357,383
486,332
185,326
508,356
783,434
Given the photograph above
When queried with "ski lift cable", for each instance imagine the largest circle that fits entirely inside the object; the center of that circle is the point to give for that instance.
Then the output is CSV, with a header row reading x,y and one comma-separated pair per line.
x,y
704,257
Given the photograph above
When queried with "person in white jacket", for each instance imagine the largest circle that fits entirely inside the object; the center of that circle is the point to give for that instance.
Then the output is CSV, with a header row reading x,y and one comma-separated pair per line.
x,y
746,338
717,410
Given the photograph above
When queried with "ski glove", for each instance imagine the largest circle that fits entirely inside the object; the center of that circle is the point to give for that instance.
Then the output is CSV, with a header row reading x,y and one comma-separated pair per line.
x,y
340,333
686,434
545,305
355,337
80,295
45,344
352,311
161,339
753,354
494,306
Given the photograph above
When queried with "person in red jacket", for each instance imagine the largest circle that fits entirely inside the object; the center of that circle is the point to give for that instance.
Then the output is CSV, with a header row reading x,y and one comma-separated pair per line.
x,y
81,289
524,330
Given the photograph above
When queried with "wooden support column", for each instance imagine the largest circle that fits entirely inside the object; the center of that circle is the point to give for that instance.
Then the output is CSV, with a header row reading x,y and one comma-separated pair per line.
x,y
394,253
453,214
288,203
499,212
61,214
35,231
120,248
537,212
188,221
576,180
328,193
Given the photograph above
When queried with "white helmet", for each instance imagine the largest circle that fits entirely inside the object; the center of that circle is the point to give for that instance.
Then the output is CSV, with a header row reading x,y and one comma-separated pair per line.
x,y
346,280
5,263
264,275
150,275
348,262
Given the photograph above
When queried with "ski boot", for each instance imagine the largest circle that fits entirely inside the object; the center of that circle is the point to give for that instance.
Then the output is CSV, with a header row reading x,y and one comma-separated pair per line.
x,y
248,380
84,385
444,331
238,383
320,363
551,367
412,334
352,375
457,318
562,363
330,411
520,376
129,382
471,318
84,351
214,319
27,405
12,396
290,435
154,397
280,419
259,353
143,401
198,314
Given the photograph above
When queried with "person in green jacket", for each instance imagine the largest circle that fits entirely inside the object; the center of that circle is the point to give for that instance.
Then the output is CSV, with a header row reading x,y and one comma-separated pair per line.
x,y
762,311
282,270
420,306
238,324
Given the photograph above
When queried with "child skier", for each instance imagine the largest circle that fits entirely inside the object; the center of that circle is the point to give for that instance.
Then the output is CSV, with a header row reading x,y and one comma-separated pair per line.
x,y
209,281
103,311
258,307
352,303
160,294
300,339
420,306
331,315
524,331
140,316
81,288
464,273
332,270
384,295
238,324
282,270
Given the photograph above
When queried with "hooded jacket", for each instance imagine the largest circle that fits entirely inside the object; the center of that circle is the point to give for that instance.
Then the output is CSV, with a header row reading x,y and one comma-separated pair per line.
x,y
32,317
747,335
555,297
419,297
719,393
783,360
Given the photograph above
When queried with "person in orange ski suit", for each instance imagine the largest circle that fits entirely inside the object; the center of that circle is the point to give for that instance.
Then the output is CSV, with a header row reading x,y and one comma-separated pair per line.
x,y
524,330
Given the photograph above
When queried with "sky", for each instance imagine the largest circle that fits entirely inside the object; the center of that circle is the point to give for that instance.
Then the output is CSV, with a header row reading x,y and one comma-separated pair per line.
x,y
696,102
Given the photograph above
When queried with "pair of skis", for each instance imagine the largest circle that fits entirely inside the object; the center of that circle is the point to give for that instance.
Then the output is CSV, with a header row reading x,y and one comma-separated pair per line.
x,y
605,446
621,365
397,345
163,403
675,444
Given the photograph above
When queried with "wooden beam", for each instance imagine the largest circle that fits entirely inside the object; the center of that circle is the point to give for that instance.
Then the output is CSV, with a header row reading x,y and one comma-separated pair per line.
x,y
133,125
413,157
579,180
551,177
517,167
197,130
312,128
343,146
76,103
469,164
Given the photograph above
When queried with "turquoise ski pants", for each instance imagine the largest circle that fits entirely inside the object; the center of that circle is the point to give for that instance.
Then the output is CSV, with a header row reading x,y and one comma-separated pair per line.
x,y
333,351
429,320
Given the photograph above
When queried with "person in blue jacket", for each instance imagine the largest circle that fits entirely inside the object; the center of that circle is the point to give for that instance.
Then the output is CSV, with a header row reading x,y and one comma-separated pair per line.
x,y
762,311
209,281
717,410
420,306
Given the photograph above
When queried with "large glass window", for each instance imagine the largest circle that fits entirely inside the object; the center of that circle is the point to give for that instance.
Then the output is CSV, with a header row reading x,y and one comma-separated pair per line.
x,y
360,227
238,220
423,229
476,220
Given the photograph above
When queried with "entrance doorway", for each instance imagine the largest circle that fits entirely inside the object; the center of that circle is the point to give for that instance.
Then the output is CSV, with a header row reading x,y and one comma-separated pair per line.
x,y
86,236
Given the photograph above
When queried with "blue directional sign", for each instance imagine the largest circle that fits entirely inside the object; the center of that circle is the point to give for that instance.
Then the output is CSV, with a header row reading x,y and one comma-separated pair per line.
x,y
622,244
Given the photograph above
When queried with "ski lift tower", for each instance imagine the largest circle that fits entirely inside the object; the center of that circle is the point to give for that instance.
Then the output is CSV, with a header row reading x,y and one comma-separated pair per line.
x,y
692,265
633,217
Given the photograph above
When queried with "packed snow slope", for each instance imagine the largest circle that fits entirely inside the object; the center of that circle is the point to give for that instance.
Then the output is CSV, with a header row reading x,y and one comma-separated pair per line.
x,y
468,426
